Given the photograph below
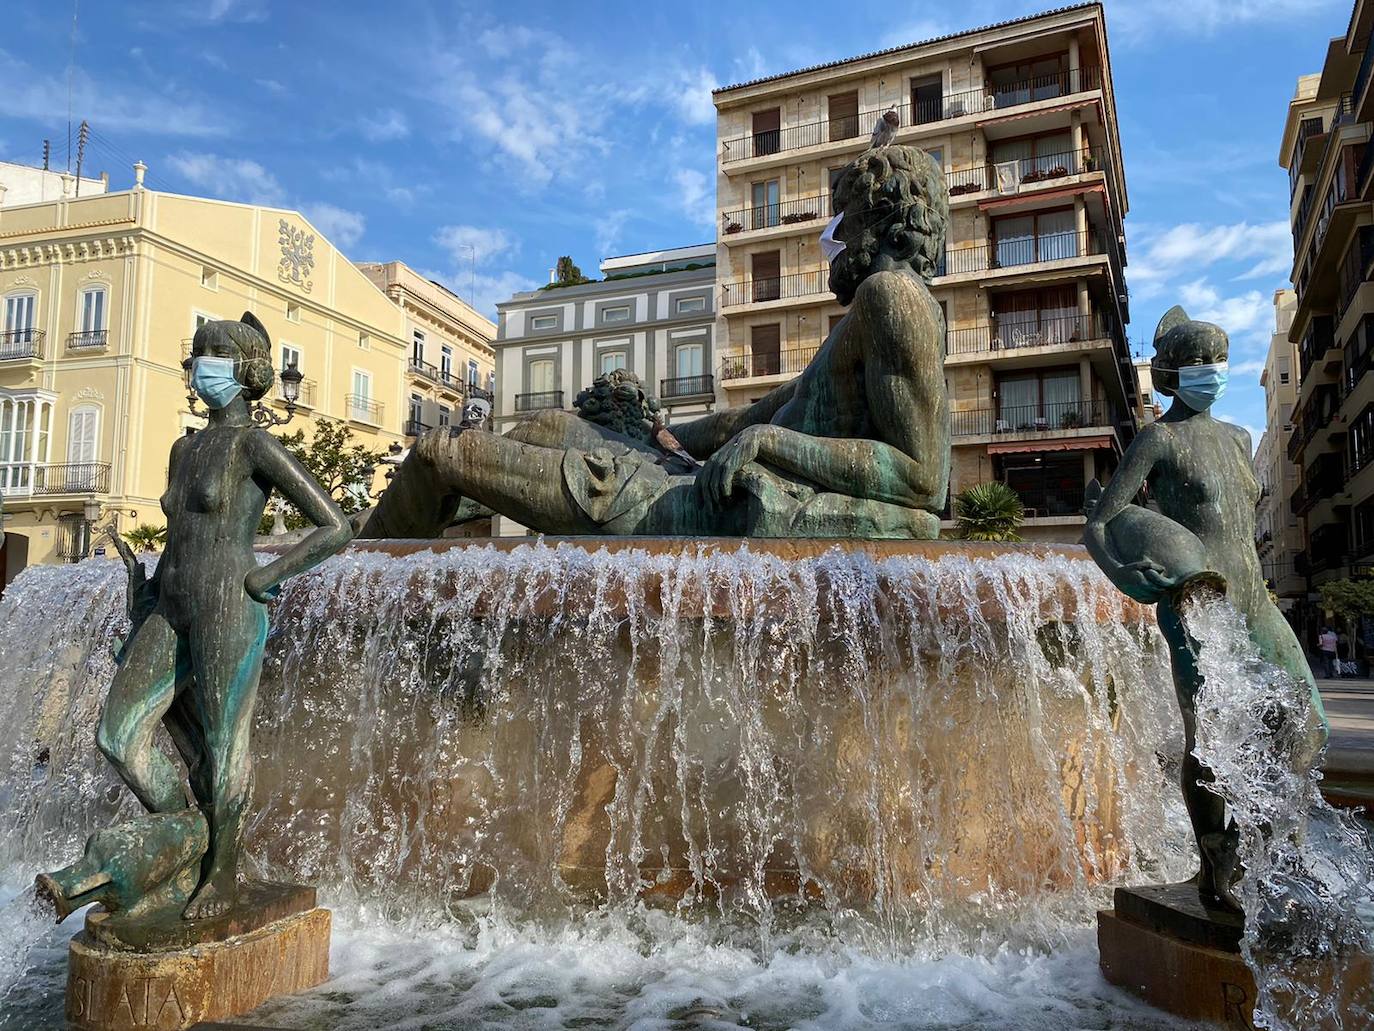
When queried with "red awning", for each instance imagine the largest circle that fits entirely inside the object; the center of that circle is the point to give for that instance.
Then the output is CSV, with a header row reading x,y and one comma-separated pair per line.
x,y
1037,197
1072,444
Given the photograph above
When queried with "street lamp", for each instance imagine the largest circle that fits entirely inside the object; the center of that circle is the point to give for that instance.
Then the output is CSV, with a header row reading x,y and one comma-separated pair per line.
x,y
291,378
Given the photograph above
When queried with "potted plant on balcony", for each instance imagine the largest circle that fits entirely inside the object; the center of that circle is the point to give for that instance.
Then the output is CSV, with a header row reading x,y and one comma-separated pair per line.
x,y
1071,419
972,186
733,227
732,368
798,216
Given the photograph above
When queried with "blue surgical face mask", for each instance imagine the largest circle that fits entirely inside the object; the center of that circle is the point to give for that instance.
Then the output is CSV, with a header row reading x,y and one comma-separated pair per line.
x,y
1199,386
213,379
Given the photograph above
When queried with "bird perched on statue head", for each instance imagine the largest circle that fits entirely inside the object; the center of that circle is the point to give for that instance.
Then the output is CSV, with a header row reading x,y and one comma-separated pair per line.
x,y
885,128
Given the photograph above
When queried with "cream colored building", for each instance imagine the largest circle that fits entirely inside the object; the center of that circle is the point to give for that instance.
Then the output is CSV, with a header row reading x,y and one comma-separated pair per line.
x,y
99,297
1278,530
1022,117
451,357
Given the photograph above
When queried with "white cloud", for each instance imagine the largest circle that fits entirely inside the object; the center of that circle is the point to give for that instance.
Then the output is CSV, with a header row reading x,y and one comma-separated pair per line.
x,y
388,124
608,229
1141,19
484,290
342,227
1189,249
231,10
690,94
238,179
697,201
271,86
474,244
1242,315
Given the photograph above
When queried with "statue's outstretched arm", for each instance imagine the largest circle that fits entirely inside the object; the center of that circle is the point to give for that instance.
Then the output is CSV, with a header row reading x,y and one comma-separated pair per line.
x,y
275,465
702,437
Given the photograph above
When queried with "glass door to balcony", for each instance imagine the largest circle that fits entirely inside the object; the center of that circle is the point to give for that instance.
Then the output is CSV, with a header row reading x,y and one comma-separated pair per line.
x,y
765,350
767,131
1035,318
1048,484
927,99
765,271
1042,78
1039,401
764,201
19,314
1037,158
1026,239
844,115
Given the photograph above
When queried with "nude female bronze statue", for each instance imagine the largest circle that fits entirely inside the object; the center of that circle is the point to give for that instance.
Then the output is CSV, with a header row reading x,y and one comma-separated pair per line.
x,y
192,665
856,446
1199,472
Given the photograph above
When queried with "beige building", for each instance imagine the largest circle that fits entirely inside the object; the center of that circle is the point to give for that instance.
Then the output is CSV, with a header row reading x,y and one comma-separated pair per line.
x,y
1278,530
99,297
451,357
1325,149
1022,118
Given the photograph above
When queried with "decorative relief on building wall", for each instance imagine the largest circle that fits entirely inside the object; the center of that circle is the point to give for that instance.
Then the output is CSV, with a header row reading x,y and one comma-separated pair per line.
x,y
23,281
97,274
297,257
88,394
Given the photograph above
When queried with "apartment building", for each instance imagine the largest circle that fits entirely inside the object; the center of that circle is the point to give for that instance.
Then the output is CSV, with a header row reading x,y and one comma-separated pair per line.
x,y
100,296
1325,151
1022,117
652,313
1278,530
451,357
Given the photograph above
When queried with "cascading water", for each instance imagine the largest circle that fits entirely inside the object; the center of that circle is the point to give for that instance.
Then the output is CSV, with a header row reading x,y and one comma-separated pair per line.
x,y
1308,886
830,790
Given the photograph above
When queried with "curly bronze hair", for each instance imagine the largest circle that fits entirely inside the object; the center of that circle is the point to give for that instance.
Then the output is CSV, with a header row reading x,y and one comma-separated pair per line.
x,y
617,400
249,337
901,199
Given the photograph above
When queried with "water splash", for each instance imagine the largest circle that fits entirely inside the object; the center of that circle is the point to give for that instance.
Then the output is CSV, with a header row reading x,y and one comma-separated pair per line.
x,y
841,755
1308,886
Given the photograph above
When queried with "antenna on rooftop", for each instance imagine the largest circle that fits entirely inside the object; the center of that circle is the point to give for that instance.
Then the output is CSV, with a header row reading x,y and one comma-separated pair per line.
x,y
81,139
47,153
71,71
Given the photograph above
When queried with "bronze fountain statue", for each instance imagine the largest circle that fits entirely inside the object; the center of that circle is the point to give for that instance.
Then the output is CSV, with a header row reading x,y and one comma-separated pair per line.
x,y
858,445
192,660
1198,470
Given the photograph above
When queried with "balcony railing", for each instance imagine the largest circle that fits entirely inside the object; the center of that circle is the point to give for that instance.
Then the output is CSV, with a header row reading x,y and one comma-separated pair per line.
x,y
1052,501
88,340
1009,334
306,397
1055,417
981,257
687,386
72,478
540,399
444,377
774,288
1362,76
783,213
1006,176
415,428
362,408
21,343
767,363
922,112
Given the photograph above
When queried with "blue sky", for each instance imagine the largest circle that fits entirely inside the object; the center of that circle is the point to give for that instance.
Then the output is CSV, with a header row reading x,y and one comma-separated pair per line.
x,y
435,132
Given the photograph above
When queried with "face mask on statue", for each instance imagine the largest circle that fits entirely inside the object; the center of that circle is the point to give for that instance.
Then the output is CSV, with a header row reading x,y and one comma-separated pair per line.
x,y
1199,386
213,379
830,247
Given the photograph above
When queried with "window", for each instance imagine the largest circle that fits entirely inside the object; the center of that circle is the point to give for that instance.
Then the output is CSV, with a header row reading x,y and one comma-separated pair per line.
x,y
417,411
609,361
834,321
201,319
360,401
620,313
1046,236
766,274
24,441
688,305
290,356
1051,399
927,102
541,376
764,204
765,343
542,322
445,415
1049,484
1037,158
1285,368
293,312
1040,78
472,373
687,360
446,361
364,341
417,348
19,317
767,131
83,435
835,174
1033,318
844,115
93,309
209,278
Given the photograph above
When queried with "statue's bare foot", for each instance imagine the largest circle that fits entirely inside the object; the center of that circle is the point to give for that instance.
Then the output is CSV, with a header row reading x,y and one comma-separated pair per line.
x,y
214,897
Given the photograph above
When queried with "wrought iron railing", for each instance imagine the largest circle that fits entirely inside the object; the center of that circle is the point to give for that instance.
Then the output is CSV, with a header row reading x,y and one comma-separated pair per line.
x,y
1011,332
415,428
1038,418
444,377
21,343
72,478
88,340
921,112
767,363
783,213
774,288
539,399
362,408
306,396
1018,172
1030,250
687,386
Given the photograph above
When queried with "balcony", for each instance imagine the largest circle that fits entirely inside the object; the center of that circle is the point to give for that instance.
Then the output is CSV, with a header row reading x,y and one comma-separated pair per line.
x,y
362,408
1011,176
21,343
1010,335
1052,503
539,400
767,363
72,478
1307,128
306,397
751,290
415,428
687,386
1050,419
798,211
444,377
853,131
1032,250
88,340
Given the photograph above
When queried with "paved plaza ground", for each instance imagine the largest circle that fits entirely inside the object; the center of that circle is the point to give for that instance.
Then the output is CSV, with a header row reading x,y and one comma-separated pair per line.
x,y
1350,756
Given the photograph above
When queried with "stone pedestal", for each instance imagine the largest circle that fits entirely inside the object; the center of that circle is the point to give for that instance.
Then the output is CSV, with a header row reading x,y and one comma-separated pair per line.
x,y
1162,944
178,974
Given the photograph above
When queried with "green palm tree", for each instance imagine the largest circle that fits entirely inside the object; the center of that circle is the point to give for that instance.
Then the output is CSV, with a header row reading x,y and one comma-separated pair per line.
x,y
988,512
146,537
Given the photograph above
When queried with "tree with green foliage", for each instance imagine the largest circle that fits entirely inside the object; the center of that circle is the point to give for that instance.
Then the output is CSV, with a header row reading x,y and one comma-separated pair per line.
x,y
146,537
341,466
1348,600
565,273
988,512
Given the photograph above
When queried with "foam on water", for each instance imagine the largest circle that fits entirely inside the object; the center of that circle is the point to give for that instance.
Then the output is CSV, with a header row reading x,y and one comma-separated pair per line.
x,y
1308,886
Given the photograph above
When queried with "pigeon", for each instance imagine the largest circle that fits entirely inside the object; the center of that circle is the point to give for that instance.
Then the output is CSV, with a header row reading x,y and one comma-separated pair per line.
x,y
885,128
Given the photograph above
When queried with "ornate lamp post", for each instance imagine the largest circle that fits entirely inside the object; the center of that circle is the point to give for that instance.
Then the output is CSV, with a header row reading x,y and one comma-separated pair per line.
x,y
290,377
